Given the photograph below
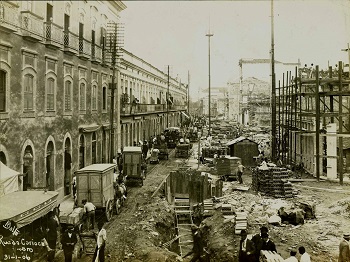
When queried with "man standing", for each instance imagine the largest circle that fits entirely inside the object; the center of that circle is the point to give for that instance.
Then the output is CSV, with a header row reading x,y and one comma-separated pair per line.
x,y
101,243
292,257
246,248
89,211
68,241
267,244
240,170
51,231
258,242
305,257
344,249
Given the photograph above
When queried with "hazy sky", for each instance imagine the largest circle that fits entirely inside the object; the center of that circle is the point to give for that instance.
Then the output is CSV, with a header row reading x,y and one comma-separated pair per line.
x,y
173,33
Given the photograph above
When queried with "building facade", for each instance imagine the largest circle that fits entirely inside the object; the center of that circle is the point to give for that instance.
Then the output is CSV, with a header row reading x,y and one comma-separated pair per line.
x,y
55,76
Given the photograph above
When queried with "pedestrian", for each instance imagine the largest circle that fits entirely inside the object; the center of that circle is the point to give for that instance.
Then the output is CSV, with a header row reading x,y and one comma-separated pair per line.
x,y
240,169
89,211
51,234
305,257
292,257
257,240
68,241
99,254
344,249
145,149
267,244
246,248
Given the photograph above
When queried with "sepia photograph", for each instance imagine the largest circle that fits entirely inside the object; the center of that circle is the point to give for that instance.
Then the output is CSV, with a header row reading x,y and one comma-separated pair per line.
x,y
175,131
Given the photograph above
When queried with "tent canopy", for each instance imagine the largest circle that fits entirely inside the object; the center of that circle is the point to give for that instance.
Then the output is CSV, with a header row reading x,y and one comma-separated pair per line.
x,y
8,180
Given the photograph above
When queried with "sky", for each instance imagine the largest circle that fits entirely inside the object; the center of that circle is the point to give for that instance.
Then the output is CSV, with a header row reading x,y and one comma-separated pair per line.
x,y
174,33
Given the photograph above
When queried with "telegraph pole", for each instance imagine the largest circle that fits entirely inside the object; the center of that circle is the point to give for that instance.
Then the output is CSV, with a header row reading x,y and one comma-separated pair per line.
x,y
273,90
113,46
209,35
167,101
188,93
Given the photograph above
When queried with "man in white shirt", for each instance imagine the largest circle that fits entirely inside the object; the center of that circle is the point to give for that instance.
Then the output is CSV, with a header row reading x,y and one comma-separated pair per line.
x,y
89,210
305,257
101,243
292,257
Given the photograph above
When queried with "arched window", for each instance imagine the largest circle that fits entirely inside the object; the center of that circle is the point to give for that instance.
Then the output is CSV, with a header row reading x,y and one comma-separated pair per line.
x,y
2,91
82,91
67,95
94,97
104,98
3,158
93,148
50,94
50,166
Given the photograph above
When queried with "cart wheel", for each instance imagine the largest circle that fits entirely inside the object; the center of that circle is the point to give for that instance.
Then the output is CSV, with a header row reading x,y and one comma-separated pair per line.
x,y
109,210
117,207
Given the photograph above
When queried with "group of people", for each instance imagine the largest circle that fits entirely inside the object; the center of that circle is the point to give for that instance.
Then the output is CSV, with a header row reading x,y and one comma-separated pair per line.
x,y
250,249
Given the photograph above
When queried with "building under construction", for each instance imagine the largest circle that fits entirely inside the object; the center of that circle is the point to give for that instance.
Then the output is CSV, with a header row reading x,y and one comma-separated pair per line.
x,y
313,121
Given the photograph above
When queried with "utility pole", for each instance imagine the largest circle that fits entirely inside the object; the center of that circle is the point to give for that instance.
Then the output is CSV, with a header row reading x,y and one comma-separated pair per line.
x,y
273,90
167,101
188,93
113,47
209,35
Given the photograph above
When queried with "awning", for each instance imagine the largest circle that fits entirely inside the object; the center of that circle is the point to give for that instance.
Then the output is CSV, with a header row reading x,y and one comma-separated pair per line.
x,y
89,128
36,205
184,114
8,180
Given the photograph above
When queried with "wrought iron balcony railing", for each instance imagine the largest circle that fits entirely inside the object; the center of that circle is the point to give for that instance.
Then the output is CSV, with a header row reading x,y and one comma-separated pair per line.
x,y
53,32
32,24
8,15
71,41
130,108
84,48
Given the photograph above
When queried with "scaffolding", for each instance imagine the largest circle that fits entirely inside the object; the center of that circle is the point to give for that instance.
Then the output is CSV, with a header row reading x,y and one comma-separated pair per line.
x,y
313,112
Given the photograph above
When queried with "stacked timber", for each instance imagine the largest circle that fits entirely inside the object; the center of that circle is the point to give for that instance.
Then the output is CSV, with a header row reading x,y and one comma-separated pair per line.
x,y
241,222
272,181
270,256
208,207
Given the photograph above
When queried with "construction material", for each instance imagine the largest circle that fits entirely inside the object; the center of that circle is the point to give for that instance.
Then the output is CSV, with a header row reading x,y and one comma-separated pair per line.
x,y
241,222
270,256
272,181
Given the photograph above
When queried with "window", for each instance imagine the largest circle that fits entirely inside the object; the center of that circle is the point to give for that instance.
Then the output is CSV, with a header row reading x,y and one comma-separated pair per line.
x,y
104,98
50,94
94,97
93,148
82,96
2,91
67,95
28,92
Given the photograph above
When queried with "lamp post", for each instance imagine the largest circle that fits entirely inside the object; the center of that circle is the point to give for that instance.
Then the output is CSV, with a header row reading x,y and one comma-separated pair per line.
x,y
209,35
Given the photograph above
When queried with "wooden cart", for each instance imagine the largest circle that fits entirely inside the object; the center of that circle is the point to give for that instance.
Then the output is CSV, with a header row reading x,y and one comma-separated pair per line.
x,y
132,164
95,183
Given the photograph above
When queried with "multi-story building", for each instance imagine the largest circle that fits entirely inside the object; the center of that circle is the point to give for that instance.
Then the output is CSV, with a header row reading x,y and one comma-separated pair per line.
x,y
55,79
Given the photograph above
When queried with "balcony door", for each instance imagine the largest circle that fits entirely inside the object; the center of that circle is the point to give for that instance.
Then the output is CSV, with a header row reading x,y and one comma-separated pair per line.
x,y
49,15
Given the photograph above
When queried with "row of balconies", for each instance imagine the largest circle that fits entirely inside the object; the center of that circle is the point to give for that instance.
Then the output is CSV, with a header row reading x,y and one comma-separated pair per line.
x,y
33,28
134,109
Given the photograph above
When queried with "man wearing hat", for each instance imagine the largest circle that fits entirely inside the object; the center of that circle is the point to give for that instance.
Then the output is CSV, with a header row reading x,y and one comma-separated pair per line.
x,y
257,240
344,249
267,244
246,248
68,241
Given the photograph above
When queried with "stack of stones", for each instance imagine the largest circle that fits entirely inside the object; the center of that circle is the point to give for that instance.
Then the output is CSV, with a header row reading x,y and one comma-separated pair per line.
x,y
273,182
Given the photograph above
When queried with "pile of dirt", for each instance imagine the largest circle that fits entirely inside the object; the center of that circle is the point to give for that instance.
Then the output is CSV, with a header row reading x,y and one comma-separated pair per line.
x,y
341,207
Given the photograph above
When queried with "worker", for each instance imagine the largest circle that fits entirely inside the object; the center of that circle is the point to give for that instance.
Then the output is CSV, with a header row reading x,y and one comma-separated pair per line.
x,y
240,170
198,247
305,257
145,149
292,257
101,243
246,248
68,241
89,211
344,249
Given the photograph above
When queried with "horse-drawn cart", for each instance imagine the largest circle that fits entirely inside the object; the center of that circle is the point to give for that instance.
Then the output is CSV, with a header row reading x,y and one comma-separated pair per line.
x,y
133,163
95,184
